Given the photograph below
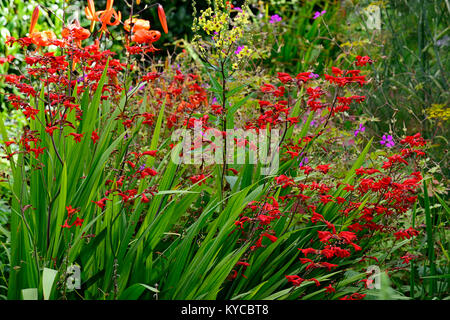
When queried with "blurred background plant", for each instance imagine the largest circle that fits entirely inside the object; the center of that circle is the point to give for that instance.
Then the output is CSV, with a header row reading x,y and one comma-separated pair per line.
x,y
410,88
296,36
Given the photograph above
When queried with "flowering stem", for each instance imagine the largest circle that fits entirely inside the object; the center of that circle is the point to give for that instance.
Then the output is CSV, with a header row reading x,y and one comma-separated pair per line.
x,y
224,128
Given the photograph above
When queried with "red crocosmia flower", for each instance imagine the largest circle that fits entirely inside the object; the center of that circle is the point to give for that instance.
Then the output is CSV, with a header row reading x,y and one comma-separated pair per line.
x,y
306,260
330,226
66,225
70,211
76,136
329,289
162,18
233,170
233,275
328,252
8,143
308,251
37,151
265,220
303,76
240,222
148,172
316,217
349,188
148,77
50,130
292,120
362,61
340,200
329,266
242,263
326,198
101,203
264,103
144,198
347,236
151,153
414,141
354,296
267,87
295,280
303,197
306,169
371,171
336,71
315,280
407,258
200,179
78,222
293,154
408,233
9,156
131,164
244,266
94,137
284,180
284,77
324,236
269,236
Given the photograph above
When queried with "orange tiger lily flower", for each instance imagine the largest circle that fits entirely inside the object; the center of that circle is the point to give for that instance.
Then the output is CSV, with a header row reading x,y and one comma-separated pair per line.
x,y
162,18
105,16
137,24
145,36
91,14
43,38
34,19
75,32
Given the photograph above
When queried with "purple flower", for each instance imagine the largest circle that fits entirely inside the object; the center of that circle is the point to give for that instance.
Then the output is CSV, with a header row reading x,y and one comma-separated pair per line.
x,y
313,76
388,141
319,14
275,18
304,161
142,167
237,9
140,88
360,129
82,78
239,49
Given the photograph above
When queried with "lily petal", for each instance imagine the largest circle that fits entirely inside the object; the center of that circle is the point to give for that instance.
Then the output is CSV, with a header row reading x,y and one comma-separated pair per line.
x,y
34,19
